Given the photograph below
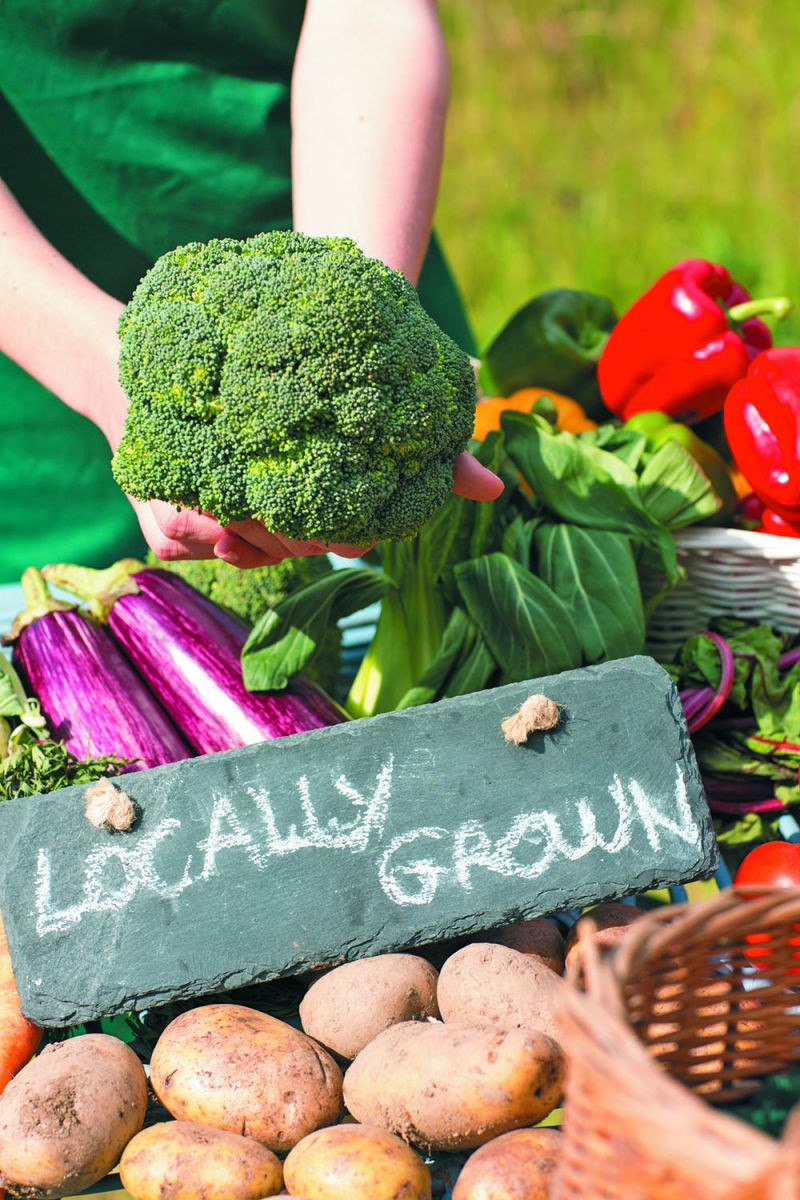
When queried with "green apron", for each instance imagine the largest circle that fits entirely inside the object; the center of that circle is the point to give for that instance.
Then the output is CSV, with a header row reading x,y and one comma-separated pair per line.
x,y
128,127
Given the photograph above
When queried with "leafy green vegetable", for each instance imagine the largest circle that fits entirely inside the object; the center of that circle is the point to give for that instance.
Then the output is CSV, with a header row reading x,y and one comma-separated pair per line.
x,y
527,628
625,444
517,540
38,766
594,574
750,749
462,664
31,762
288,635
414,616
674,488
583,484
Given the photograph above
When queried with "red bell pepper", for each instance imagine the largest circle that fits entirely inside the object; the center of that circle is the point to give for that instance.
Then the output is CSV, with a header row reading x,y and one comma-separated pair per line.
x,y
772,523
762,425
683,344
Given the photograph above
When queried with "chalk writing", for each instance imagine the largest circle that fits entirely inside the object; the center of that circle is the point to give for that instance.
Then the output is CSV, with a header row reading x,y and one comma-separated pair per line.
x,y
410,869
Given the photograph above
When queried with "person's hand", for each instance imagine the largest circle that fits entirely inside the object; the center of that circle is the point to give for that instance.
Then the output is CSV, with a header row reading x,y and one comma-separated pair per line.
x,y
175,533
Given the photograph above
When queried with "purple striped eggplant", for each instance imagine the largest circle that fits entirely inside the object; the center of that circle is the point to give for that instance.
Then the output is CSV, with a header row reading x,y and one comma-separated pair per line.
x,y
89,693
188,650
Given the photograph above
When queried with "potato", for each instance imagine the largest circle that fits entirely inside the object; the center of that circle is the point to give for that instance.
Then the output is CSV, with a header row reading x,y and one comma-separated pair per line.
x,y
68,1115
612,920
450,1087
538,938
196,1162
516,1166
356,1162
486,984
352,1004
241,1070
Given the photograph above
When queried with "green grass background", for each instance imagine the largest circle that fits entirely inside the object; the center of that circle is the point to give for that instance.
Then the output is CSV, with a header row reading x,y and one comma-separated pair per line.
x,y
592,145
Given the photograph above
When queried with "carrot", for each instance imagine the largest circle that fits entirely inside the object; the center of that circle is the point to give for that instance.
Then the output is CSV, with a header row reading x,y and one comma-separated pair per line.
x,y
19,1037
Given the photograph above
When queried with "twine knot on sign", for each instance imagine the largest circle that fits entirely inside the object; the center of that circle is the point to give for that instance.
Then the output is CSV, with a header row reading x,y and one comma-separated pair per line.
x,y
109,808
536,714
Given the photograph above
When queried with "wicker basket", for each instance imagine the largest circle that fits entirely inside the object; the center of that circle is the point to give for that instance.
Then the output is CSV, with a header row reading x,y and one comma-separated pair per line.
x,y
730,572
682,993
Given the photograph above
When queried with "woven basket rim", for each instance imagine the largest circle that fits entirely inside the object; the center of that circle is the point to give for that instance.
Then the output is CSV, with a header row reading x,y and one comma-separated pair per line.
x,y
760,545
662,929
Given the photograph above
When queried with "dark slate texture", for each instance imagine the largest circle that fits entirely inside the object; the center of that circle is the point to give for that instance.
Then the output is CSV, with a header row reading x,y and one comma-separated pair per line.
x,y
370,836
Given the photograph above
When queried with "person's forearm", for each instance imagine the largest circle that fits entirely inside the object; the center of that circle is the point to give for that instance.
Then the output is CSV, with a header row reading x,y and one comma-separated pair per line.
x,y
369,97
56,323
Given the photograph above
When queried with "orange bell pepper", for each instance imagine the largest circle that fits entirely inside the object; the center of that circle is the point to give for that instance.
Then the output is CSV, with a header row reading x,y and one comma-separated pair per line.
x,y
569,414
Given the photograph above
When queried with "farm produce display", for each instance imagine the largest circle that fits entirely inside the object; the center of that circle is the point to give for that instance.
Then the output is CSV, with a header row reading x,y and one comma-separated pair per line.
x,y
545,578
296,381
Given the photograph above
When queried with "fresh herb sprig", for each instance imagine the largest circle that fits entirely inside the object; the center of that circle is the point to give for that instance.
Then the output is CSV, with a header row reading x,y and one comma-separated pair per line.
x,y
32,762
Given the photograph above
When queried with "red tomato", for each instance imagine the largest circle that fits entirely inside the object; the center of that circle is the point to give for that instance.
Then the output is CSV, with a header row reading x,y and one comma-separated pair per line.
x,y
774,864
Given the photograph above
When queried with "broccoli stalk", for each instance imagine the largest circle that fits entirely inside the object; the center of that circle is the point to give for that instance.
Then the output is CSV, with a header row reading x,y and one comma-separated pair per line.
x,y
292,380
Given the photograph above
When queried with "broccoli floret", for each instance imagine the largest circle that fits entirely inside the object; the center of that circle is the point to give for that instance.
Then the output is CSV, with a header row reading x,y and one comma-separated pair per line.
x,y
248,595
294,380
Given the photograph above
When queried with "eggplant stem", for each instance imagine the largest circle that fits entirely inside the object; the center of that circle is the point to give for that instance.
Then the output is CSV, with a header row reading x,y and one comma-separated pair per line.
x,y
38,603
98,589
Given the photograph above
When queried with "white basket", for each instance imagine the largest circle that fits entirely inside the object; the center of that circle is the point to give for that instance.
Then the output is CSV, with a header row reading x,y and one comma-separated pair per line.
x,y
733,573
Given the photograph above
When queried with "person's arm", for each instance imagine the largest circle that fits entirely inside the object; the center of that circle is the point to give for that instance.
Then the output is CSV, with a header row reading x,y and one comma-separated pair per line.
x,y
62,329
56,324
369,98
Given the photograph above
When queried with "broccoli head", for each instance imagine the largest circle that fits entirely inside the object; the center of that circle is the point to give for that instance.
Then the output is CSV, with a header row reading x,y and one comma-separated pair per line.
x,y
248,595
294,380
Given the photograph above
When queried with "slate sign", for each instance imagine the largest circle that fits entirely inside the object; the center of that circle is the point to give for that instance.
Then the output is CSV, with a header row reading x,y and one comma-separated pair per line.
x,y
367,837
